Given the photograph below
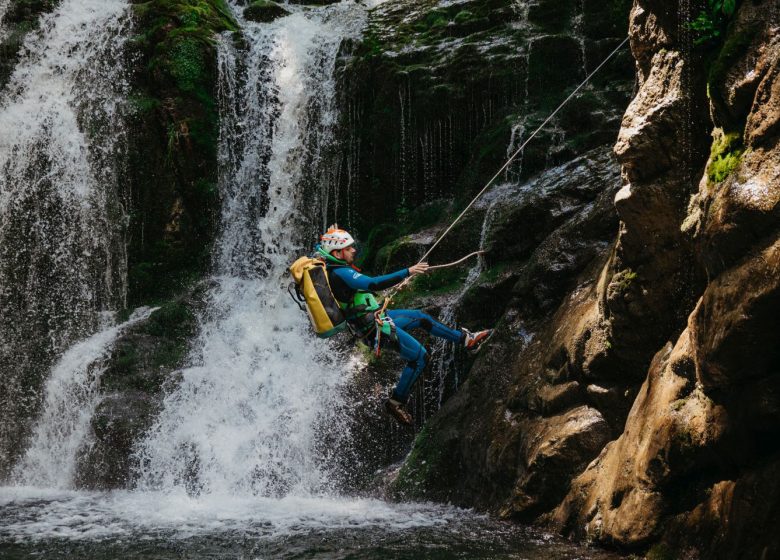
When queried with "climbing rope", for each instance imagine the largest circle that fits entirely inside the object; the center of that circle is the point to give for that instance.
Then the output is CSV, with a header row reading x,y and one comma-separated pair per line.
x,y
521,148
397,288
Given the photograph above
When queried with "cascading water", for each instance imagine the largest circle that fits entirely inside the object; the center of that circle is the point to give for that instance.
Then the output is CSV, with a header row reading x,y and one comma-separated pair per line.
x,y
71,395
3,9
62,258
245,416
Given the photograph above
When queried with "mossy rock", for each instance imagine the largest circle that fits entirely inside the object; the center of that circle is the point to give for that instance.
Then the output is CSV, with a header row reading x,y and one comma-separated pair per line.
x,y
552,16
172,155
725,156
554,65
264,11
21,17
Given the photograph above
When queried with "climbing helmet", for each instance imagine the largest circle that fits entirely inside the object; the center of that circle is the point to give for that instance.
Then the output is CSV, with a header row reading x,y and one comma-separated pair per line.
x,y
335,239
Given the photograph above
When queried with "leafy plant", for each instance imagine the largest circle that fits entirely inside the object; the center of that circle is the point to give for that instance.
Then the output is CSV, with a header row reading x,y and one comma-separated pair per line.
x,y
711,23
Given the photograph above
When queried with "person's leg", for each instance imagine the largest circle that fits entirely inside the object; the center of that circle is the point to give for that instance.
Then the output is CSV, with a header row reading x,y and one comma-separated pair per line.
x,y
415,355
407,319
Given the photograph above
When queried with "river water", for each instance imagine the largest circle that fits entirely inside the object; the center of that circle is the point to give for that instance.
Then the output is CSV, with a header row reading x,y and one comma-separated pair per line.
x,y
38,523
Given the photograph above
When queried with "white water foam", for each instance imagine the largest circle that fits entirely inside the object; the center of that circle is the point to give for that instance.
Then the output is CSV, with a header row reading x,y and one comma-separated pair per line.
x,y
32,515
71,396
258,411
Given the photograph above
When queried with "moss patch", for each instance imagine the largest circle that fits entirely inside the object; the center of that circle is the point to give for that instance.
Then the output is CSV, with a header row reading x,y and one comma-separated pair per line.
x,y
173,152
725,156
425,460
21,17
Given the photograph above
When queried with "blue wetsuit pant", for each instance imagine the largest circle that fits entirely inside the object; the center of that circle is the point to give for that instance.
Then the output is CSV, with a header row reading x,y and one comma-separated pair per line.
x,y
410,349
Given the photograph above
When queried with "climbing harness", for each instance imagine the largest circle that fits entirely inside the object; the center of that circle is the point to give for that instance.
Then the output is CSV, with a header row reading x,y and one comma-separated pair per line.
x,y
381,320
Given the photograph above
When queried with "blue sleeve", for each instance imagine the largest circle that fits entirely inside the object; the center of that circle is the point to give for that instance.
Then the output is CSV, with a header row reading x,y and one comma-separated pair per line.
x,y
358,281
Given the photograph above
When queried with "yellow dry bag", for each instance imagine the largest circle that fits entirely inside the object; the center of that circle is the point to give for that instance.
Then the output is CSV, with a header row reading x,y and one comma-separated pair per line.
x,y
313,289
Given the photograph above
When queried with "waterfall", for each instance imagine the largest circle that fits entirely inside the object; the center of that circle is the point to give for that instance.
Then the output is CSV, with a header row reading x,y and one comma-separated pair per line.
x,y
3,9
70,398
62,257
257,411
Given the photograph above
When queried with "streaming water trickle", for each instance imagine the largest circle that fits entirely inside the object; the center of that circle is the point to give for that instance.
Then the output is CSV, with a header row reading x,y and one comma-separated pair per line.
x,y
3,10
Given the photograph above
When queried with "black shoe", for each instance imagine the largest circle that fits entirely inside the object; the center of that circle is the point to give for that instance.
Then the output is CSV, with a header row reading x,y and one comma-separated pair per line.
x,y
397,411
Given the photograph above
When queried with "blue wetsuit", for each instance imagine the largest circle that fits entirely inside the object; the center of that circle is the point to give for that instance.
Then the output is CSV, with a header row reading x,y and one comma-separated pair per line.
x,y
405,319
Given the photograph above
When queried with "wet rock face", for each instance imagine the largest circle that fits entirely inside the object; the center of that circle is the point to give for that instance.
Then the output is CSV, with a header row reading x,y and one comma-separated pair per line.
x,y
701,436
642,370
144,362
437,91
516,432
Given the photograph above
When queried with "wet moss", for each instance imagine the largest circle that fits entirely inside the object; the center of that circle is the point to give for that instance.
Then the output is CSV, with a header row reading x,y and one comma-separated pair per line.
x,y
173,149
725,156
423,463
144,358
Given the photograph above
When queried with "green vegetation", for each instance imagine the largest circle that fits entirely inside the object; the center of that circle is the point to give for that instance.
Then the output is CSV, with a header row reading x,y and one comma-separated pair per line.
x,y
660,551
424,461
21,17
174,147
143,358
734,47
725,156
623,280
173,319
711,23
384,238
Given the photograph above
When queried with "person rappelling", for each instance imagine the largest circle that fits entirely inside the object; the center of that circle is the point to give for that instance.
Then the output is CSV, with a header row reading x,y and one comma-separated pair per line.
x,y
355,295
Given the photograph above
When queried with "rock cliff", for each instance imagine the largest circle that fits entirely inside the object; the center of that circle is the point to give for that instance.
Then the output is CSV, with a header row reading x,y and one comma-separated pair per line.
x,y
643,411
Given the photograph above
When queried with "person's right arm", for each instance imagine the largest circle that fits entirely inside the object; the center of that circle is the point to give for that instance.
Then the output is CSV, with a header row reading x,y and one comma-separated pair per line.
x,y
358,281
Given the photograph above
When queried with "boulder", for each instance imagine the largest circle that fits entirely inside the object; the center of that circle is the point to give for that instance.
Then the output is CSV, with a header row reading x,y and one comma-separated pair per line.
x,y
264,11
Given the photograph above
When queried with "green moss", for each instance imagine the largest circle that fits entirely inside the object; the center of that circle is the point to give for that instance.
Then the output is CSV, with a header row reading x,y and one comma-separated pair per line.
x,y
172,320
623,280
126,359
384,254
424,461
174,156
186,63
725,156
494,272
464,16
144,104
661,551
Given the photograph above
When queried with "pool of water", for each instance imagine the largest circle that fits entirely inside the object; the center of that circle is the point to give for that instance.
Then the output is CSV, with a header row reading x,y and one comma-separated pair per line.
x,y
50,524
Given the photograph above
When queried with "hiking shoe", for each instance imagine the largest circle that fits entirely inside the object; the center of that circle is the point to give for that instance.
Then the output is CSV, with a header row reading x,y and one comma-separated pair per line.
x,y
397,411
474,340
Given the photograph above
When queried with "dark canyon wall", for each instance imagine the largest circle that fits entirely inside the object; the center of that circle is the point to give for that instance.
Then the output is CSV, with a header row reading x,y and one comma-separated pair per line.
x,y
635,404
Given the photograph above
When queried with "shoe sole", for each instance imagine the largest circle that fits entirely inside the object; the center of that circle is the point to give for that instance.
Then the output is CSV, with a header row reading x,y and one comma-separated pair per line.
x,y
399,417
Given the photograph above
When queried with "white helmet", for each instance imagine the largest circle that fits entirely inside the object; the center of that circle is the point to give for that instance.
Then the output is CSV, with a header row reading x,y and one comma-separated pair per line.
x,y
335,239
